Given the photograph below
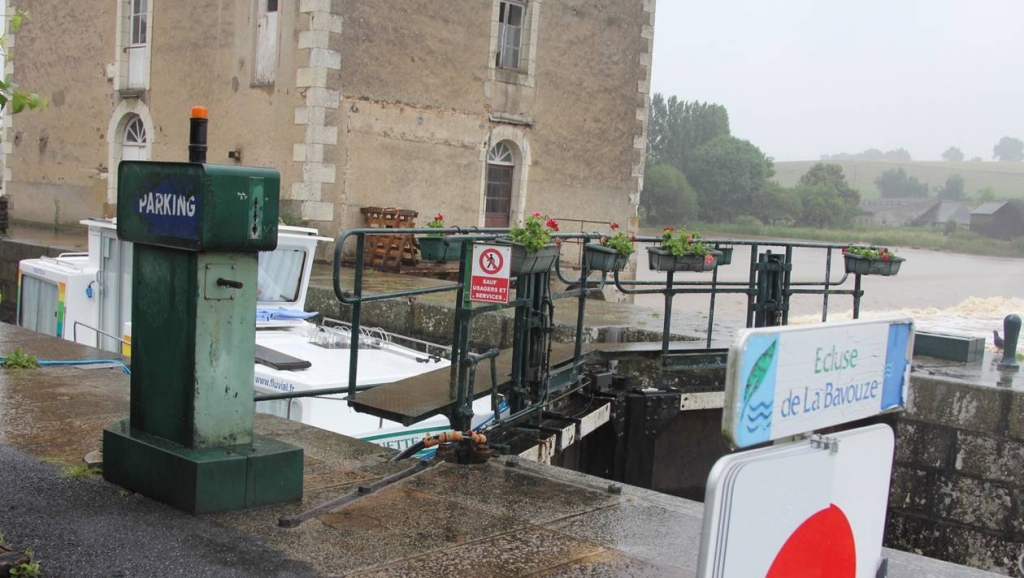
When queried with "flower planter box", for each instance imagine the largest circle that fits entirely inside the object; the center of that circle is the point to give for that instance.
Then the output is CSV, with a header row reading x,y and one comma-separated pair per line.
x,y
864,266
662,260
600,258
524,264
436,249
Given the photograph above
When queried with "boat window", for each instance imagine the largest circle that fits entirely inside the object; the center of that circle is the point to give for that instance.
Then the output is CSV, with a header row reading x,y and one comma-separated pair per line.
x,y
39,304
280,275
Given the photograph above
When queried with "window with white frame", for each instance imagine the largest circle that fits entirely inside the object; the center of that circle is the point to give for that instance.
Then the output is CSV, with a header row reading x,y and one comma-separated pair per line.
x,y
133,141
136,47
138,19
511,16
266,42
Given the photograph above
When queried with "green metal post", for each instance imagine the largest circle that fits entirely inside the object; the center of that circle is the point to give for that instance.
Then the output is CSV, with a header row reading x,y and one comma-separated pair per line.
x,y
188,440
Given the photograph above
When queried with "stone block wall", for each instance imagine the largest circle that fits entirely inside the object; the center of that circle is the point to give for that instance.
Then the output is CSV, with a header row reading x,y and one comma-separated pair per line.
x,y
958,479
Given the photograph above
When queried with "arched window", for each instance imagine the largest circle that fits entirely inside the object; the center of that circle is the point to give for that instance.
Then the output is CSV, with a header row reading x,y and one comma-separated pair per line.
x,y
133,141
498,197
135,131
129,138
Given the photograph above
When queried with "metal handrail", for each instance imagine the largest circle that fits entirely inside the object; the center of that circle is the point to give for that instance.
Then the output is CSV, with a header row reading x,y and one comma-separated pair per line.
x,y
785,287
74,334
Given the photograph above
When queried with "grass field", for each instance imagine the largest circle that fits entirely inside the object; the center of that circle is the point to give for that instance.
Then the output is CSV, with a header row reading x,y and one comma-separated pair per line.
x,y
1007,179
914,237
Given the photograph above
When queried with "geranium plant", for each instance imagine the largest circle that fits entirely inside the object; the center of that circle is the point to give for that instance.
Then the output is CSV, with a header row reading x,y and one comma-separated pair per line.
x,y
437,223
535,232
871,260
619,241
682,243
871,252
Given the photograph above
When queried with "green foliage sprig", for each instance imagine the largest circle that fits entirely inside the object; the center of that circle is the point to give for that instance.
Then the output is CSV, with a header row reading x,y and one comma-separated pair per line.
x,y
620,241
681,243
535,232
871,252
28,569
18,359
12,100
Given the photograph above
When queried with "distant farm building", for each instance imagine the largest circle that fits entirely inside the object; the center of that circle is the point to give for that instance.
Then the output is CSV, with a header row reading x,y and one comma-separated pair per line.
x,y
942,211
893,212
998,220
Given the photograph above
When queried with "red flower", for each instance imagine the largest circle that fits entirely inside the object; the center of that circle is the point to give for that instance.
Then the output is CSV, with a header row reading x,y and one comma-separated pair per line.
x,y
439,217
709,258
633,239
552,224
538,214
885,256
615,226
844,250
667,229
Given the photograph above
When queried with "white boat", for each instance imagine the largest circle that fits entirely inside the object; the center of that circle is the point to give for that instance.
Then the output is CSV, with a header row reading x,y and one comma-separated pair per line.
x,y
86,297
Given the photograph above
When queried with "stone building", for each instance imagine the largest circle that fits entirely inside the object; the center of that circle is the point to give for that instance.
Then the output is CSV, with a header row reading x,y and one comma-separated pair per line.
x,y
479,109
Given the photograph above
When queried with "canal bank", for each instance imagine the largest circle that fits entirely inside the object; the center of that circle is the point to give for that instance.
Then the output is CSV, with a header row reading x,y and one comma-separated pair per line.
x,y
942,502
474,520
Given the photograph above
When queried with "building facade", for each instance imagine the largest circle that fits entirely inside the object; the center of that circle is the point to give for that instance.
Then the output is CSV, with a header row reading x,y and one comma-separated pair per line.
x,y
483,110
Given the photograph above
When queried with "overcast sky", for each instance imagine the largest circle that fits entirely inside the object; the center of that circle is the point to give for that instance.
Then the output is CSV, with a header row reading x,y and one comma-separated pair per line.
x,y
802,78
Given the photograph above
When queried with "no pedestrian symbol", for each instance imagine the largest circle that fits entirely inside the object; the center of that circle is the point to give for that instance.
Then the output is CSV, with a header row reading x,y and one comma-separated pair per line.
x,y
489,279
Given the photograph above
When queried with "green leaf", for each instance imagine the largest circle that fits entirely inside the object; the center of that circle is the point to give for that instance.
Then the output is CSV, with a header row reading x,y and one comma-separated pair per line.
x,y
16,21
18,102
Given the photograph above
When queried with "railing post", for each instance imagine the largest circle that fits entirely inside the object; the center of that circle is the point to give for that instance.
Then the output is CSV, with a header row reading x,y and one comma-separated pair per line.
x,y
357,306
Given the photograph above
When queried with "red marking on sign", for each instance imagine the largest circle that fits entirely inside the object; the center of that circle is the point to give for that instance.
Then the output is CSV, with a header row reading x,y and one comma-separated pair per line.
x,y
489,281
821,547
491,261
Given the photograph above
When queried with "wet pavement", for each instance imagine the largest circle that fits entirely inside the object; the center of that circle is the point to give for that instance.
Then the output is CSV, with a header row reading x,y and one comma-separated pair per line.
x,y
482,520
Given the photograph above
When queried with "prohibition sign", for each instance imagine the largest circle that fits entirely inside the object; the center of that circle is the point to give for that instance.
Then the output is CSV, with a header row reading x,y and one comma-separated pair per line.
x,y
491,261
489,282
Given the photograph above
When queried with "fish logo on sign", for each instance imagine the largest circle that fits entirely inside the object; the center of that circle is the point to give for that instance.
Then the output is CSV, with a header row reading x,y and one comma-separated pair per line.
x,y
757,412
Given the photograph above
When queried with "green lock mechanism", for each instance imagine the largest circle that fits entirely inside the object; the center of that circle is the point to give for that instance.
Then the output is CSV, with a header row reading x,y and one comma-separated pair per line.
x,y
197,230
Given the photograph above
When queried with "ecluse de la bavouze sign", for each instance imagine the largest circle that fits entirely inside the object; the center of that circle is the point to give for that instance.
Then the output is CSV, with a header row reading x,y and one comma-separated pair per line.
x,y
785,381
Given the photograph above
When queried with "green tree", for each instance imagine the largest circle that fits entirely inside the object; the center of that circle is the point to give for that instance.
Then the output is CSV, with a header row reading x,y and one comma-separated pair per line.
x,y
774,204
13,100
896,184
1009,149
677,128
832,175
822,206
898,155
726,172
954,189
953,155
986,195
667,199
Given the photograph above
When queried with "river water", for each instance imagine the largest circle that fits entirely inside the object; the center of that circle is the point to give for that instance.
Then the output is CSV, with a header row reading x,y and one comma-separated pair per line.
x,y
942,292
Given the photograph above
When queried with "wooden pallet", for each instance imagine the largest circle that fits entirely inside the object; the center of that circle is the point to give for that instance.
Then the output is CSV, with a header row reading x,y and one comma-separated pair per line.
x,y
390,252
